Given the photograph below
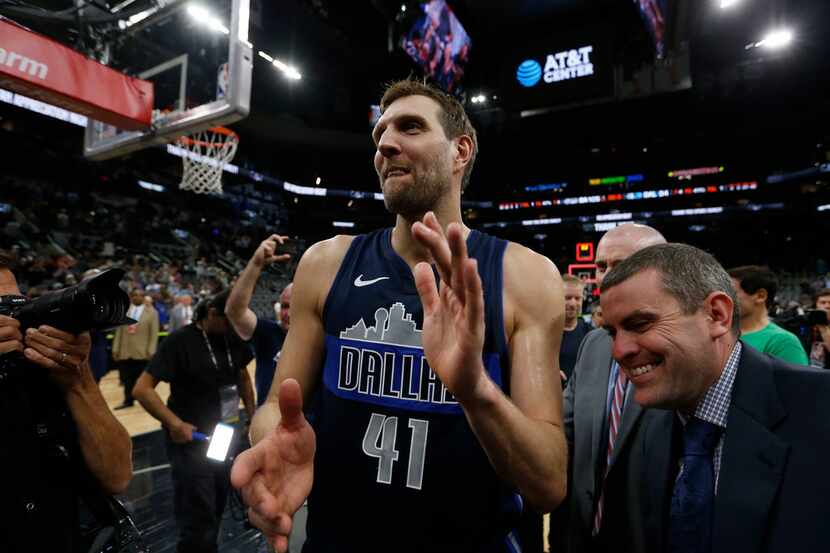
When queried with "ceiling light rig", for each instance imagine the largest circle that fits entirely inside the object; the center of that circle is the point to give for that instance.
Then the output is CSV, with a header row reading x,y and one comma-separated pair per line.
x,y
201,14
289,71
776,39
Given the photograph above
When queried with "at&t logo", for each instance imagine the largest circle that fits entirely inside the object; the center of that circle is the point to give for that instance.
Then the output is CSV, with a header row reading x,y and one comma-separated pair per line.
x,y
561,66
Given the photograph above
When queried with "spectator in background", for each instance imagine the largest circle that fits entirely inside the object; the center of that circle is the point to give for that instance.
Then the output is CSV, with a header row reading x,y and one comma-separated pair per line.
x,y
266,336
575,326
182,313
135,344
820,351
161,307
756,288
596,315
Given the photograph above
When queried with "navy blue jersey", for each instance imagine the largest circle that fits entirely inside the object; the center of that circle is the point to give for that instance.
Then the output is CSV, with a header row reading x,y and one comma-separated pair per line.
x,y
397,466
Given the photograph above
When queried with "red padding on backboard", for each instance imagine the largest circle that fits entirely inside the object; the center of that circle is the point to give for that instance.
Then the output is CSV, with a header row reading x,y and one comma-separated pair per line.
x,y
37,66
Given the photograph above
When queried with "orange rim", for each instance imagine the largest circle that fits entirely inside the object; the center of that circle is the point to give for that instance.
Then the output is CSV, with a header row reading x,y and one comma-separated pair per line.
x,y
218,130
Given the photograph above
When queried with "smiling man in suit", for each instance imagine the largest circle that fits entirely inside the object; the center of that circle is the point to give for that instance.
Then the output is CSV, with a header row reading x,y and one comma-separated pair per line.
x,y
731,454
598,428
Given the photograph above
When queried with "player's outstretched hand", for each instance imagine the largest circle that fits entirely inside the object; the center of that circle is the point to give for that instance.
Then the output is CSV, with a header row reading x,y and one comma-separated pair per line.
x,y
275,476
453,333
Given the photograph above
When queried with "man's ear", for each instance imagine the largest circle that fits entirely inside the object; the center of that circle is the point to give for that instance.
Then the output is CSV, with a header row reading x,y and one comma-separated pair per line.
x,y
719,310
761,296
463,150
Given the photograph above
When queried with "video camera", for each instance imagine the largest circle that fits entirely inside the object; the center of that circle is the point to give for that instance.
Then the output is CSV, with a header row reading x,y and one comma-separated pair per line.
x,y
97,303
802,324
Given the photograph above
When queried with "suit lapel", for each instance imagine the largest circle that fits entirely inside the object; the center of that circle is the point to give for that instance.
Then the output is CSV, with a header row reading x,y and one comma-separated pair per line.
x,y
656,474
753,458
599,400
631,412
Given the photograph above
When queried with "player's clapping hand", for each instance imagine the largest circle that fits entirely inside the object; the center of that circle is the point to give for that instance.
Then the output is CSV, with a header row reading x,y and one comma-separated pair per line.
x,y
453,333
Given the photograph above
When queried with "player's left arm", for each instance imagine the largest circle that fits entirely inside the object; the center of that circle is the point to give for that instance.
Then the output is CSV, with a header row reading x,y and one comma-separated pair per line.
x,y
523,435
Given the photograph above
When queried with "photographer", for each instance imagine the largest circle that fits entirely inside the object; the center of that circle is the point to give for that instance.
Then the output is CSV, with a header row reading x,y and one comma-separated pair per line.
x,y
60,439
206,367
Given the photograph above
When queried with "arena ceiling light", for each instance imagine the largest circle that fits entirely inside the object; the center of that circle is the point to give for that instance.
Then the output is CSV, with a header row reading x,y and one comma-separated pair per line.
x,y
151,186
289,71
136,18
776,39
725,4
203,16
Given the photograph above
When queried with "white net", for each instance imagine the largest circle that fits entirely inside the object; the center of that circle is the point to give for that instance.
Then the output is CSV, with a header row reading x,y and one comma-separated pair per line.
x,y
205,156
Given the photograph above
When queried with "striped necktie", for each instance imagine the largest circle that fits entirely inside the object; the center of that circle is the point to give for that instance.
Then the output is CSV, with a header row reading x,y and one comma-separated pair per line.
x,y
614,418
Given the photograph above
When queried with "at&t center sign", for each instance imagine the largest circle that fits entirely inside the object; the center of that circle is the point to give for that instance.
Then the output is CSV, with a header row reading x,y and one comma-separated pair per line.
x,y
561,66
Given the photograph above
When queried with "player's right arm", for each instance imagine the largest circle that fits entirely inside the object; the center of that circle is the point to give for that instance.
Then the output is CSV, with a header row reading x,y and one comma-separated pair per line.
x,y
276,474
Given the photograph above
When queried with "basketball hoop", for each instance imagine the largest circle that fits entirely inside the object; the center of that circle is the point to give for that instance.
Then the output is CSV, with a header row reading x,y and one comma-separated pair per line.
x,y
207,153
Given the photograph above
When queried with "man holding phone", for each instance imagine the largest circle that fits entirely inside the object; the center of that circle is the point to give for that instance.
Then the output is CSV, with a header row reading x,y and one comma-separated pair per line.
x,y
206,367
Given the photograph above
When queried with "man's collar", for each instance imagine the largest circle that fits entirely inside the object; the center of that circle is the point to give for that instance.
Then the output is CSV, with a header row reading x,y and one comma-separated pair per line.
x,y
715,405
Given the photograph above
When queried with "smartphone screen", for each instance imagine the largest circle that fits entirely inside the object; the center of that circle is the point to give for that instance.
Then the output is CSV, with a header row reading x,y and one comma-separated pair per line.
x,y
220,442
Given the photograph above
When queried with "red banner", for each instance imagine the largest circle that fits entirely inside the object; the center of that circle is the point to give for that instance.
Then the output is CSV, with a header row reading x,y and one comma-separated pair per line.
x,y
39,67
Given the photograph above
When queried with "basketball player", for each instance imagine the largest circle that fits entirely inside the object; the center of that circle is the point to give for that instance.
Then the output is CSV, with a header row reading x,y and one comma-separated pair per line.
x,y
440,407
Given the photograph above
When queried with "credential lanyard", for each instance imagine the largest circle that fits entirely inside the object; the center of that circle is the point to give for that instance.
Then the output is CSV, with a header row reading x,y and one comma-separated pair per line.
x,y
213,357
228,395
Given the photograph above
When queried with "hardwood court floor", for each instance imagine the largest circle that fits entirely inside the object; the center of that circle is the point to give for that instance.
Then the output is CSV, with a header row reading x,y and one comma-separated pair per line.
x,y
135,419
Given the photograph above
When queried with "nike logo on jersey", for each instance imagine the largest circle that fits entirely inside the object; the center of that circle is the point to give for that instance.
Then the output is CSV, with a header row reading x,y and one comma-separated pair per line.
x,y
360,283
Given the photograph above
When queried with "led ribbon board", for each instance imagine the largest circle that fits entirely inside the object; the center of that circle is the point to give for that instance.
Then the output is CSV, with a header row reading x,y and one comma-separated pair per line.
x,y
631,196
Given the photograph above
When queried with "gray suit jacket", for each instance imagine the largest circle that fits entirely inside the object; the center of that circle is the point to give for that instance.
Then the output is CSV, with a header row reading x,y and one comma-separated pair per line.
x,y
585,400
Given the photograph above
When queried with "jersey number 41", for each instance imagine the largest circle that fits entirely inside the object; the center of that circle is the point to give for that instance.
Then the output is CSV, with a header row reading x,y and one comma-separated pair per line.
x,y
379,442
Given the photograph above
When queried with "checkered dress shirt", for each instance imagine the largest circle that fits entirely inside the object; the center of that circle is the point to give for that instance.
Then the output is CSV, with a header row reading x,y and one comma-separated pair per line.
x,y
715,405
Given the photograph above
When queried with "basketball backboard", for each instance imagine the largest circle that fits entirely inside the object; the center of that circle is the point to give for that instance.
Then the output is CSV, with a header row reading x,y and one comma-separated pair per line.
x,y
586,272
198,57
